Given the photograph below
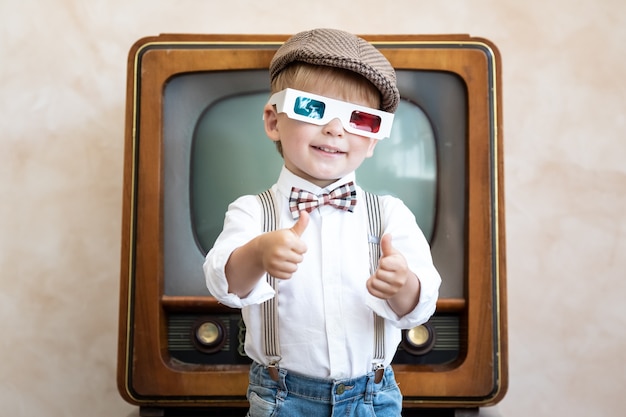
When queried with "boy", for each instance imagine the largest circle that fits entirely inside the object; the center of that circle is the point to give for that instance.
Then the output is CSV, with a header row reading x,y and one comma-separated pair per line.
x,y
320,349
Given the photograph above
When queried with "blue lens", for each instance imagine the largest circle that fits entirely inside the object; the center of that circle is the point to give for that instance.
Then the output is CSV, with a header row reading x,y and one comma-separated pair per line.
x,y
309,107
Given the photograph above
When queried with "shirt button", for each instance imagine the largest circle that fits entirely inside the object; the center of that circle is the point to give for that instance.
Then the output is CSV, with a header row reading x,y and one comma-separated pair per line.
x,y
341,389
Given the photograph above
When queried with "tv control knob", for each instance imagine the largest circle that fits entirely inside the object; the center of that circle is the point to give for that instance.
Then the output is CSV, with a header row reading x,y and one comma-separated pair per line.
x,y
419,340
209,335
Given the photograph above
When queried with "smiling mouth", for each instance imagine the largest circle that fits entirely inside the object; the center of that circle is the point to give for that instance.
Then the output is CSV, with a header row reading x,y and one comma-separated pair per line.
x,y
327,150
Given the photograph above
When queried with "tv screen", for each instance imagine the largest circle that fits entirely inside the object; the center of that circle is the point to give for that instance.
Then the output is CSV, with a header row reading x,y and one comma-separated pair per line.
x,y
216,150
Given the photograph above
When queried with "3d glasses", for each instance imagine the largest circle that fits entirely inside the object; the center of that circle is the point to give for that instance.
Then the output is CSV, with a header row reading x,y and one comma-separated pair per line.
x,y
320,110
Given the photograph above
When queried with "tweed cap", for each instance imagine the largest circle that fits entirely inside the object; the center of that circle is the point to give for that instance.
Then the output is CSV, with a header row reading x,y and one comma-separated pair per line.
x,y
339,49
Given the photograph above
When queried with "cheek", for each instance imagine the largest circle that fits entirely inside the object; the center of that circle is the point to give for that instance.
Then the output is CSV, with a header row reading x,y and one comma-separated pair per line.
x,y
370,148
293,141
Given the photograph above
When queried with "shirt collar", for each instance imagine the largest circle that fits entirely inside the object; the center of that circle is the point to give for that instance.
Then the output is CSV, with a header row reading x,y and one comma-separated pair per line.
x,y
288,179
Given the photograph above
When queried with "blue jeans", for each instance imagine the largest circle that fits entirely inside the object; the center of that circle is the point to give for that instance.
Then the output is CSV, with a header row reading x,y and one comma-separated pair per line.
x,y
295,395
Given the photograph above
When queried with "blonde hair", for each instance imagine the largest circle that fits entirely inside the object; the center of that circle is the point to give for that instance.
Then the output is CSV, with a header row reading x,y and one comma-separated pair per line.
x,y
302,76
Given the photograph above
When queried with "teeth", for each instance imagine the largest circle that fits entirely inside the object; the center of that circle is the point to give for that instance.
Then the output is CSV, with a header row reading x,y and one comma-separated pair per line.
x,y
328,150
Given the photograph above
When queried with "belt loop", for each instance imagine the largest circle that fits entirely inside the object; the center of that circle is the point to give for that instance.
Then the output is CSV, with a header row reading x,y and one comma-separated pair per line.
x,y
369,389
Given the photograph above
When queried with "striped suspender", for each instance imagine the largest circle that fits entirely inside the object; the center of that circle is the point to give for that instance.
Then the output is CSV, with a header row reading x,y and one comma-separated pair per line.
x,y
269,309
374,217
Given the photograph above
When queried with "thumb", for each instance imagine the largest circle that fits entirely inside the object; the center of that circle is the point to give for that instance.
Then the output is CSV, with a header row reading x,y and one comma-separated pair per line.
x,y
301,224
386,246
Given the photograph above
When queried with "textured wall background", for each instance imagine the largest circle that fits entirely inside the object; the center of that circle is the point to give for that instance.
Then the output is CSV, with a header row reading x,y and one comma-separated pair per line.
x,y
62,89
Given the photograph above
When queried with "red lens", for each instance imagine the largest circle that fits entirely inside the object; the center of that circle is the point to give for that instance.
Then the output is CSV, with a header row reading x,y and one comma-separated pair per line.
x,y
365,121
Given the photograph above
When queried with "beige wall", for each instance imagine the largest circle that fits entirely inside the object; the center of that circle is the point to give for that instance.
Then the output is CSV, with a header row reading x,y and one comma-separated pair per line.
x,y
62,84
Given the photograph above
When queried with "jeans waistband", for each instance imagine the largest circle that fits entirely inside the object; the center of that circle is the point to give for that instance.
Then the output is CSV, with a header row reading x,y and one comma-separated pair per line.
x,y
326,390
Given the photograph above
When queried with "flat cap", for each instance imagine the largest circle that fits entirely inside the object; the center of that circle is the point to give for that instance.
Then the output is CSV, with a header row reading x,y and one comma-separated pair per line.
x,y
339,49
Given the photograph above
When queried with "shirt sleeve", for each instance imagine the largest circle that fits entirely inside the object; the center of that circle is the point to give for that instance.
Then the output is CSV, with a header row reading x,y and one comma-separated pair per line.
x,y
242,223
408,238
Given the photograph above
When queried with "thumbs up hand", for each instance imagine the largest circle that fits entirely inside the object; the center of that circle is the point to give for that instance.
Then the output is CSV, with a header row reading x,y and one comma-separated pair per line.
x,y
282,250
392,273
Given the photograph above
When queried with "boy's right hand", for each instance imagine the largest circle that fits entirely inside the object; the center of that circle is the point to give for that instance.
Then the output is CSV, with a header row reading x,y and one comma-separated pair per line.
x,y
282,250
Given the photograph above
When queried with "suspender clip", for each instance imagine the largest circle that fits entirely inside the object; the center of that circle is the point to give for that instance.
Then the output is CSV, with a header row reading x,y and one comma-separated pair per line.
x,y
379,371
272,368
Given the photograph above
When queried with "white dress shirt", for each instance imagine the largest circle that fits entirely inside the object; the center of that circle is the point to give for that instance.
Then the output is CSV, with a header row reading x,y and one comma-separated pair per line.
x,y
326,325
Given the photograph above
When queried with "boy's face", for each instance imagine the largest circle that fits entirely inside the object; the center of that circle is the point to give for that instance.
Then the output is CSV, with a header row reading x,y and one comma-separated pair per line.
x,y
319,154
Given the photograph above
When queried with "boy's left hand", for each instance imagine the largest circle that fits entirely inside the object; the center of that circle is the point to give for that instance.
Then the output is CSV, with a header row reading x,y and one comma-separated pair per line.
x,y
392,273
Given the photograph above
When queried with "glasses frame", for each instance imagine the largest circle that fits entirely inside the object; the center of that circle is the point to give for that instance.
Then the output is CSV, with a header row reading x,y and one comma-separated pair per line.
x,y
285,101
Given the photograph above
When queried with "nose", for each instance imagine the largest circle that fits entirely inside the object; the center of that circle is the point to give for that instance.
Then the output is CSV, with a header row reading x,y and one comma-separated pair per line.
x,y
333,128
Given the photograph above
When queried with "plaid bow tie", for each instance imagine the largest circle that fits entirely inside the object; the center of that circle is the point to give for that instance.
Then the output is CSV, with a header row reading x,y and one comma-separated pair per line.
x,y
342,197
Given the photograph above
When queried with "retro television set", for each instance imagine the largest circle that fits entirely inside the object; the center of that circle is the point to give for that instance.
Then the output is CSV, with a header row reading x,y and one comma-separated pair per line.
x,y
194,141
